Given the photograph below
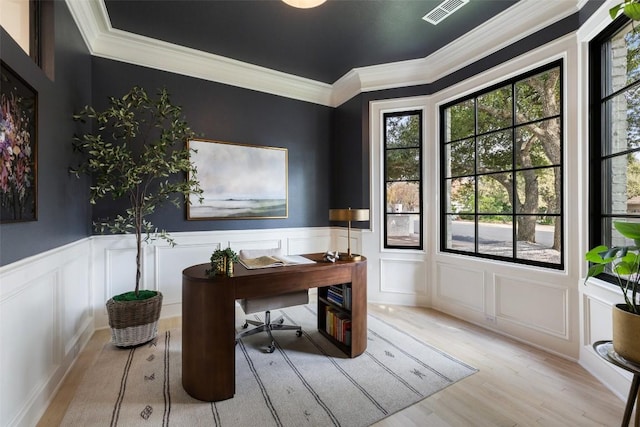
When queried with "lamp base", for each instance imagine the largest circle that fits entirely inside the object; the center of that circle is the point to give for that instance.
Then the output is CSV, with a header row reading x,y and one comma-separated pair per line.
x,y
344,256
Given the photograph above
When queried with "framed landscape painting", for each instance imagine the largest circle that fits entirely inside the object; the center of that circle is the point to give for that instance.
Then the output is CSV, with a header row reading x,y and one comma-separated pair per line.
x,y
18,178
239,181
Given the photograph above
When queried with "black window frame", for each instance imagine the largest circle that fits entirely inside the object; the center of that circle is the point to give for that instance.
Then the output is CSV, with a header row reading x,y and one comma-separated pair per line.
x,y
597,136
420,180
559,63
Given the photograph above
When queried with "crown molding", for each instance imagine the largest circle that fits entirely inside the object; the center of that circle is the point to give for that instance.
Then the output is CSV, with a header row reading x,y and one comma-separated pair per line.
x,y
106,42
506,28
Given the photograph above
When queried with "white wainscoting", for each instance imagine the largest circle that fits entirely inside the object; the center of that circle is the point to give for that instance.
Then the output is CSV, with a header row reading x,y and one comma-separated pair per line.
x,y
114,272
531,305
51,303
46,317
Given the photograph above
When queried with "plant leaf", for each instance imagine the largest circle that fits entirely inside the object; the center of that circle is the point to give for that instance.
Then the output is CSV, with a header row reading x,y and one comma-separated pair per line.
x,y
630,230
632,10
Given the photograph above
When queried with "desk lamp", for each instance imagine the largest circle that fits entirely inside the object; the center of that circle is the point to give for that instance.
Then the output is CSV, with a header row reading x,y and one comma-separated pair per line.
x,y
349,215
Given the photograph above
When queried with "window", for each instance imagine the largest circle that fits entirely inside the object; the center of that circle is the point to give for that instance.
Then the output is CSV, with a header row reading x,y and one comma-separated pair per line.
x,y
403,179
614,132
16,20
502,171
30,24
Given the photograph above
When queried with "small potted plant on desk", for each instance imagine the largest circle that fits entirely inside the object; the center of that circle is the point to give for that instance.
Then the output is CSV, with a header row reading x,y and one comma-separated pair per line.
x,y
222,262
137,152
624,263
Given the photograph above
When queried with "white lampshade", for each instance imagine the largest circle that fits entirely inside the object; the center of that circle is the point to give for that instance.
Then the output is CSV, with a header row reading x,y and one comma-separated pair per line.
x,y
304,4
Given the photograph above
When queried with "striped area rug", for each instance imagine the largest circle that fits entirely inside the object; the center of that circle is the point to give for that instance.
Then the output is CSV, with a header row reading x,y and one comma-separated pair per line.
x,y
305,382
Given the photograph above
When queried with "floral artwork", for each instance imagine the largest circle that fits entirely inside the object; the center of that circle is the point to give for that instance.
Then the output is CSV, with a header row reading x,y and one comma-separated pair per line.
x,y
17,148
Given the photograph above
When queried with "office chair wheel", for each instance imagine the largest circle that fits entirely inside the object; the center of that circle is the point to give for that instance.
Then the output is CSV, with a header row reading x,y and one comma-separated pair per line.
x,y
281,321
299,333
245,326
271,348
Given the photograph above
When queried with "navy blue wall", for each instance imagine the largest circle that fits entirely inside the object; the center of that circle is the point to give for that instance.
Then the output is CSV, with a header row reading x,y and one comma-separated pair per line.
x,y
232,114
63,208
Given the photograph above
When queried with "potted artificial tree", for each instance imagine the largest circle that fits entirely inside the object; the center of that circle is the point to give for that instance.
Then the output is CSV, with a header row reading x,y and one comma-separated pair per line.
x,y
624,263
136,152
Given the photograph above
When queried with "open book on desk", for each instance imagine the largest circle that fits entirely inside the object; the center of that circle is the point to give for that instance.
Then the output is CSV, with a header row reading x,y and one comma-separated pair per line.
x,y
266,261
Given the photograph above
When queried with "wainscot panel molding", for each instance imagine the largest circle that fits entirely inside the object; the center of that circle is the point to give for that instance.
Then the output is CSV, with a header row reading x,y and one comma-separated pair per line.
x,y
51,304
536,310
541,306
162,265
46,318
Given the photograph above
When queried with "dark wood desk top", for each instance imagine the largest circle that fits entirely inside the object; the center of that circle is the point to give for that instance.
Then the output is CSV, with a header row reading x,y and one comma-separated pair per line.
x,y
272,280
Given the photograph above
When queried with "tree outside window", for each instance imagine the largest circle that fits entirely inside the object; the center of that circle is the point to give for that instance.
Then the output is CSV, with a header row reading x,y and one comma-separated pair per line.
x,y
403,179
502,170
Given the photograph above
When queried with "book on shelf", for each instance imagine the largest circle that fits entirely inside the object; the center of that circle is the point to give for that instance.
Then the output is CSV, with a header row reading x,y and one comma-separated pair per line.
x,y
340,295
338,325
267,261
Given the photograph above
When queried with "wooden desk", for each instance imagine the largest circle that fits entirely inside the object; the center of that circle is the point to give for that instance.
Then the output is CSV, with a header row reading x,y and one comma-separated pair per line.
x,y
208,315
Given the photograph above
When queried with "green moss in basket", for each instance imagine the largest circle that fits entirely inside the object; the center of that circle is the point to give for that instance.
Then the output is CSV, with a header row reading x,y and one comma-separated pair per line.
x,y
131,296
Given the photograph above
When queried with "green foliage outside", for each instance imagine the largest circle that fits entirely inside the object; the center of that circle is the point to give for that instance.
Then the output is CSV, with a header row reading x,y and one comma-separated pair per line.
x,y
514,151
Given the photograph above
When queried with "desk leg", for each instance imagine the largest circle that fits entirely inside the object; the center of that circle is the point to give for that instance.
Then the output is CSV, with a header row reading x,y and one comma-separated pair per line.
x,y
633,393
208,339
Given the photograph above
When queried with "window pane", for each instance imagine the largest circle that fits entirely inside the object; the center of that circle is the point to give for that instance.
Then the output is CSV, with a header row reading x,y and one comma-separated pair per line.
x,y
403,164
402,179
538,97
517,178
460,121
536,236
461,233
495,235
493,196
539,191
460,195
622,123
621,175
460,158
495,110
403,230
623,60
402,131
495,152
538,144
403,197
14,18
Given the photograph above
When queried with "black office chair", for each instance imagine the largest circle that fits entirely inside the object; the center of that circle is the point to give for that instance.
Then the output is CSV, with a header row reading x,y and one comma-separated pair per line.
x,y
268,303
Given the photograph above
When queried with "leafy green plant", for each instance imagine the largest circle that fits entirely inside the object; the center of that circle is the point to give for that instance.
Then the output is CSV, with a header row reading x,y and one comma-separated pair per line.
x,y
221,257
136,150
622,261
631,8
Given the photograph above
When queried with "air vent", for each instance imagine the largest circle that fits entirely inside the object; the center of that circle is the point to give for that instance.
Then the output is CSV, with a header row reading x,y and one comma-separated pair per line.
x,y
443,10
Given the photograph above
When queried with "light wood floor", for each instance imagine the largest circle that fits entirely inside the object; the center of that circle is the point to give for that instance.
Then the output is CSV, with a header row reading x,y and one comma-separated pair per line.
x,y
516,385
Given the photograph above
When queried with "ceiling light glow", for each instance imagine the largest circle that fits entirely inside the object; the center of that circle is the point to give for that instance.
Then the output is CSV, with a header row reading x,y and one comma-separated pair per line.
x,y
304,4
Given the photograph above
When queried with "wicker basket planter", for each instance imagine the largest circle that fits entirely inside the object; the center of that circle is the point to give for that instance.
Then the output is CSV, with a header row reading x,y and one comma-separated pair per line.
x,y
134,322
